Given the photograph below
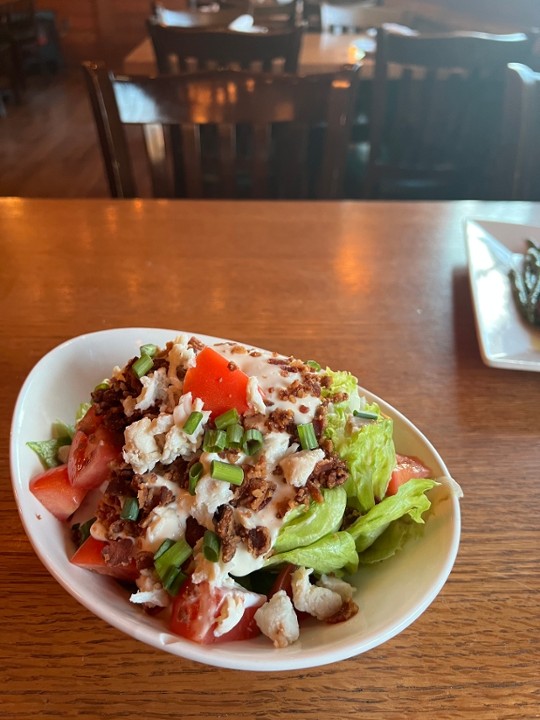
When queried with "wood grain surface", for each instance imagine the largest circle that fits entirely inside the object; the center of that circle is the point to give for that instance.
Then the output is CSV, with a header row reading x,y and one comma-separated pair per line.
x,y
377,288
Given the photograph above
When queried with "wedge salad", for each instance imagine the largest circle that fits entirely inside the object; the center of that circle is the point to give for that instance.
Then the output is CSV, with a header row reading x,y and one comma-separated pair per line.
x,y
233,490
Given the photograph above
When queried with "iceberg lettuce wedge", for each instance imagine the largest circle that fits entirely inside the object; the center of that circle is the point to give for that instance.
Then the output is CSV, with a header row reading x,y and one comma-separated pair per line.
x,y
303,527
328,554
410,500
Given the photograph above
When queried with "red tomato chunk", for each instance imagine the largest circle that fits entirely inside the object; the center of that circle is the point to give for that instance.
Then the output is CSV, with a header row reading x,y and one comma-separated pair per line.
x,y
196,609
216,384
54,491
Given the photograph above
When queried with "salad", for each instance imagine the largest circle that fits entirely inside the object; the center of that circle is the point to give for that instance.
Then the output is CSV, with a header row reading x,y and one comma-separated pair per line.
x,y
233,490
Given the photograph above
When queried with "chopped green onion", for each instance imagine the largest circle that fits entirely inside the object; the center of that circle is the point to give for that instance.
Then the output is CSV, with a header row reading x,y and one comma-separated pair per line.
x,y
130,509
105,385
173,580
142,365
226,472
307,437
149,349
211,546
195,472
313,364
365,414
165,545
252,441
192,423
174,556
227,418
235,433
214,441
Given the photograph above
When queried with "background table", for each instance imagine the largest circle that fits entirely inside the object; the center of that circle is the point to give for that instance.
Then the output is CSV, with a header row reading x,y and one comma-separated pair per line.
x,y
320,52
380,289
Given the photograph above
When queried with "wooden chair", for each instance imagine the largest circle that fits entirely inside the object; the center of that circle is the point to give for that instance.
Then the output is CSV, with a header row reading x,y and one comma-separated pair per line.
x,y
518,170
18,29
186,49
436,108
295,148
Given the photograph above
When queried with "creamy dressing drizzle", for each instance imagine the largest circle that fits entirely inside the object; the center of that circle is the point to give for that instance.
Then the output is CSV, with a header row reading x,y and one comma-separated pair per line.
x,y
170,521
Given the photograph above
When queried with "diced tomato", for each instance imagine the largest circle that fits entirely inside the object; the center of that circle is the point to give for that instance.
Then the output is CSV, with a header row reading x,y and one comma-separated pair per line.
x,y
90,556
55,492
283,580
90,421
90,456
219,387
406,468
196,609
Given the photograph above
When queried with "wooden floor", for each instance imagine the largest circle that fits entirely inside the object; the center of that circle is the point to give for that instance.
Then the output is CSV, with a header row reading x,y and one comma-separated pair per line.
x,y
48,145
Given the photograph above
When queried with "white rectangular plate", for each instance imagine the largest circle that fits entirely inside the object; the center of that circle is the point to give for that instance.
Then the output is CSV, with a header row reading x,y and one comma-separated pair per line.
x,y
506,340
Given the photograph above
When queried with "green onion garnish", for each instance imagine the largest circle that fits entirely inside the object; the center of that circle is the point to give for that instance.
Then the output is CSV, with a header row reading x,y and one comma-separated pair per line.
x,y
313,364
192,423
173,580
235,433
211,546
365,414
142,365
214,441
173,557
226,472
252,441
165,545
195,472
102,385
227,418
148,349
306,435
130,509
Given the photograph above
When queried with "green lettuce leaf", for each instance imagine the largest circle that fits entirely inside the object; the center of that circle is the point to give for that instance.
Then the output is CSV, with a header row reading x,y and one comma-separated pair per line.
x,y
370,455
47,450
328,554
305,526
410,500
392,539
367,448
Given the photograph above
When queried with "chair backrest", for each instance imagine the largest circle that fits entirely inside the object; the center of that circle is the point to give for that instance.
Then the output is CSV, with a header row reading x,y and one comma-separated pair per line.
x,y
186,49
518,170
220,18
436,108
226,133
352,18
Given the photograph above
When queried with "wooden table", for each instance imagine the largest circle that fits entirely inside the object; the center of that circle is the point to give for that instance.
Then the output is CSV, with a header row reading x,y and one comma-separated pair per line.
x,y
380,289
320,52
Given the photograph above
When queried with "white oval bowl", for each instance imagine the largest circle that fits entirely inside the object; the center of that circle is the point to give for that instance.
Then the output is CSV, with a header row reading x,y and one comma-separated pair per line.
x,y
56,386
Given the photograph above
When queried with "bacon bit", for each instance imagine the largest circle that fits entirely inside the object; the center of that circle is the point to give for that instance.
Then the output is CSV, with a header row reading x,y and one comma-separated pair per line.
x,y
348,610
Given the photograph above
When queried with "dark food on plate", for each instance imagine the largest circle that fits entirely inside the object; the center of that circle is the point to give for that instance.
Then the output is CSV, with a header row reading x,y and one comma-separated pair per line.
x,y
526,284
